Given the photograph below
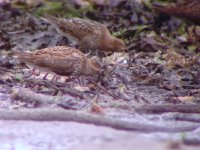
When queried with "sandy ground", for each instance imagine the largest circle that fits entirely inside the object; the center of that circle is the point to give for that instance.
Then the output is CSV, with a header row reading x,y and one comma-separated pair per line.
x,y
32,135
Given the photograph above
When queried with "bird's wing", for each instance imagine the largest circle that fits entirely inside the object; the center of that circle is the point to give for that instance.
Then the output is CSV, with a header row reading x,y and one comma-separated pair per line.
x,y
75,27
58,60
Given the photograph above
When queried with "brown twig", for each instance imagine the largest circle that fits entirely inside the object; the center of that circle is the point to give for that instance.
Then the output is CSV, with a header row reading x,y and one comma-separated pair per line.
x,y
191,141
24,93
104,90
69,91
184,117
64,101
155,108
69,115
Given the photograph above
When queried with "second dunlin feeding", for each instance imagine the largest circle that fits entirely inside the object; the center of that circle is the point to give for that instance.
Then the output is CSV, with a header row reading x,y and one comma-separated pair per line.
x,y
90,35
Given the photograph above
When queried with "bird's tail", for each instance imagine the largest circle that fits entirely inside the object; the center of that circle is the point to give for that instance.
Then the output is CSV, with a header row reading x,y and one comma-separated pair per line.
x,y
169,10
50,19
22,56
64,27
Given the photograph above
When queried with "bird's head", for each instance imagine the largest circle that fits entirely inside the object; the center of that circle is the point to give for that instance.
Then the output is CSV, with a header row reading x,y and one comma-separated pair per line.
x,y
94,67
118,45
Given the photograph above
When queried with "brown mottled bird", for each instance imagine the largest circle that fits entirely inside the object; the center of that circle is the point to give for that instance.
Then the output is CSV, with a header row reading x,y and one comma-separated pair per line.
x,y
90,35
186,9
61,60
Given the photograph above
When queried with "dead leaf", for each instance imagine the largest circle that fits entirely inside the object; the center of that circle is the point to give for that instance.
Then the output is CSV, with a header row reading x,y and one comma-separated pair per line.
x,y
82,88
97,109
174,59
186,98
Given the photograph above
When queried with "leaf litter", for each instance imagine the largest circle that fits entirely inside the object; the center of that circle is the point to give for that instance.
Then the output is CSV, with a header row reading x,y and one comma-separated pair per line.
x,y
157,69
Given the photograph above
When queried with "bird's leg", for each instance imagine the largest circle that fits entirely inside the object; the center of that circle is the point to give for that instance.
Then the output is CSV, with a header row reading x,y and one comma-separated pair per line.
x,y
105,58
97,53
45,76
68,79
90,53
55,78
58,78
33,72
81,80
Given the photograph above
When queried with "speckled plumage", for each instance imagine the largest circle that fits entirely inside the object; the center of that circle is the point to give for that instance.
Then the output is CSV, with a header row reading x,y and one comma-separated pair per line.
x,y
61,60
90,35
187,9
